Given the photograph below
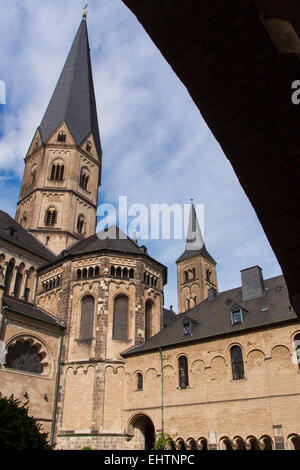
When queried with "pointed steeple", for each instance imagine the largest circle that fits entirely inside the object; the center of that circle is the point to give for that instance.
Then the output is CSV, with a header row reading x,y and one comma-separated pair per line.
x,y
68,164
73,100
194,240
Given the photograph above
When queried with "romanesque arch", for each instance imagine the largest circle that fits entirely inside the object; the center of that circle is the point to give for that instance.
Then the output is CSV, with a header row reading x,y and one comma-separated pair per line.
x,y
142,430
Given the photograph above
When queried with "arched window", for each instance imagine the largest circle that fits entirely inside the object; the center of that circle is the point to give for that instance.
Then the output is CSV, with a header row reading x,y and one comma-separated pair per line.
x,y
87,318
131,273
80,223
237,363
120,325
125,273
8,275
24,356
112,271
57,172
33,176
53,172
78,272
181,445
61,136
97,271
183,372
297,347
148,319
186,276
208,275
84,273
88,147
84,179
51,216
139,381
119,272
18,284
24,220
91,272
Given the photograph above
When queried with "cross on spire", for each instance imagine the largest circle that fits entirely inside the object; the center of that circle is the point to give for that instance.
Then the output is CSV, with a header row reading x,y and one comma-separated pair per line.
x,y
84,12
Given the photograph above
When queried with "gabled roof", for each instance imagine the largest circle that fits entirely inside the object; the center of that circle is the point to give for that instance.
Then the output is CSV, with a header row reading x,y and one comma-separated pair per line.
x,y
213,317
22,237
194,245
29,310
73,100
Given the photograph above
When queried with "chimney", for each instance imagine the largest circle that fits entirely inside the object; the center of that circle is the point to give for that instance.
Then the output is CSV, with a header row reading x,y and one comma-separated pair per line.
x,y
212,294
252,283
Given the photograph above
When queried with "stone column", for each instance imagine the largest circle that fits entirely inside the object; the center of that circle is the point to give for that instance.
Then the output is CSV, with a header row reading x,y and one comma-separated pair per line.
x,y
278,437
24,283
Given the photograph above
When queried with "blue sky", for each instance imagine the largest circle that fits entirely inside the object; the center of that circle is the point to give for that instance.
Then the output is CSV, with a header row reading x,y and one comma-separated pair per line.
x,y
156,146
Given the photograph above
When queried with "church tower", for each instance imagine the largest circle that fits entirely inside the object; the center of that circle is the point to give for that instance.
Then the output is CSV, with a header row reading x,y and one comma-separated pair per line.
x,y
196,269
59,193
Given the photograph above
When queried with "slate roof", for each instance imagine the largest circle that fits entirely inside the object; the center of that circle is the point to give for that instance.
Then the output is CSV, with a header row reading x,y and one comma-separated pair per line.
x,y
212,318
191,253
22,237
194,244
28,310
113,239
73,100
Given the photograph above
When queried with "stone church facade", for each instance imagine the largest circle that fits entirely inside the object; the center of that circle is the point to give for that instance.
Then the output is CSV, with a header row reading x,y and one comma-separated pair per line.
x,y
89,344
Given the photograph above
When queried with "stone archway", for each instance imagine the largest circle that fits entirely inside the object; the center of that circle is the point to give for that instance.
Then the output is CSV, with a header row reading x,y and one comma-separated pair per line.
x,y
143,431
294,442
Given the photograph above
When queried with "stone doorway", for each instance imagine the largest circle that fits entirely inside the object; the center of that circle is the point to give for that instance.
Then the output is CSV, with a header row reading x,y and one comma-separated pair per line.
x,y
143,432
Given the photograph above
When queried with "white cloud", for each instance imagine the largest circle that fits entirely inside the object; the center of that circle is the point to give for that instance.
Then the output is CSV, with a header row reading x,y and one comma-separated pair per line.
x,y
156,146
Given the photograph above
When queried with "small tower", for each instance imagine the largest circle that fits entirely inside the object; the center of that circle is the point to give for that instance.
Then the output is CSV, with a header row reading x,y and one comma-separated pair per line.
x,y
196,269
59,193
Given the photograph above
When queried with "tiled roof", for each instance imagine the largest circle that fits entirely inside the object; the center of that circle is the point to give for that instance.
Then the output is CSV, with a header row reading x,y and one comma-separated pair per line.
x,y
21,237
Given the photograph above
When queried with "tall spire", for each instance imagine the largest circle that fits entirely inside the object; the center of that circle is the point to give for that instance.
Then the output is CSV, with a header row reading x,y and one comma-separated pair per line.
x,y
194,244
73,100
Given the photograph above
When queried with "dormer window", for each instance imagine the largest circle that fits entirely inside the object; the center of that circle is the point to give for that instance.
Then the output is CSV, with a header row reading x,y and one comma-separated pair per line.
x,y
186,327
236,315
61,137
